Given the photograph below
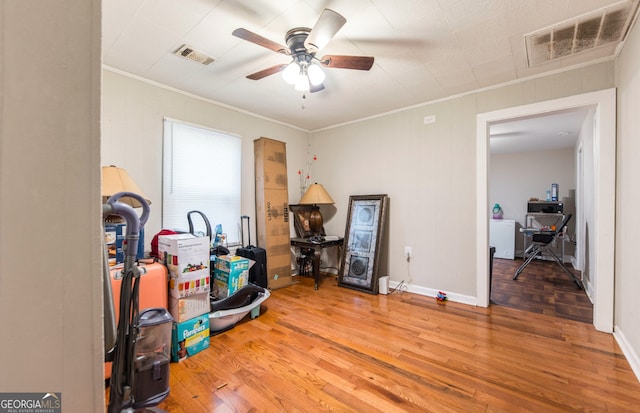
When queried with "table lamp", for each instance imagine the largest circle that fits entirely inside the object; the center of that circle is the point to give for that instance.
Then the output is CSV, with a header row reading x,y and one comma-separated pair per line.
x,y
116,180
316,195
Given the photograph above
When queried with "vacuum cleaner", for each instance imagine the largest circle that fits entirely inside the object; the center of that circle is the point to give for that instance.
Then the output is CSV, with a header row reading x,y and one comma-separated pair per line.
x,y
140,347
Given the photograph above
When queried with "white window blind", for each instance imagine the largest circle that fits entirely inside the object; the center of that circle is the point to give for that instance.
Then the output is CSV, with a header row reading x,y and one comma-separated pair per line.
x,y
201,171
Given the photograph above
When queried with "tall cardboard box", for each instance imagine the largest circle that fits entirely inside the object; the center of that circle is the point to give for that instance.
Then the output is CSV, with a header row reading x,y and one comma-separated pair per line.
x,y
272,209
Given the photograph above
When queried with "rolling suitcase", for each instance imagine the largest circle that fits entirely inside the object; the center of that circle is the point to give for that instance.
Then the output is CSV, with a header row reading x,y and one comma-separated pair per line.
x,y
153,292
257,273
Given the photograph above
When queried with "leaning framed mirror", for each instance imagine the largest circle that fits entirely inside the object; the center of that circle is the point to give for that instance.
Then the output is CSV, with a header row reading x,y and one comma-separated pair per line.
x,y
363,242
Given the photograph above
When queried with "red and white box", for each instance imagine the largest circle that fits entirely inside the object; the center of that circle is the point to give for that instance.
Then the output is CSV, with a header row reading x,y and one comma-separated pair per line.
x,y
187,259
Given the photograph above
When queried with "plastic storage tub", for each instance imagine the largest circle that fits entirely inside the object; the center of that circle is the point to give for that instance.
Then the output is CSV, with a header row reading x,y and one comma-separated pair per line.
x,y
223,320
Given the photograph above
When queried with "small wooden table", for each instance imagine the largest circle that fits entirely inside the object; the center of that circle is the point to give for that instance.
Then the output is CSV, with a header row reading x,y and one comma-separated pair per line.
x,y
317,247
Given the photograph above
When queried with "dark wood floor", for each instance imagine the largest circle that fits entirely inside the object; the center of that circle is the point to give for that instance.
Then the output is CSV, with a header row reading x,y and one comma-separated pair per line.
x,y
340,350
541,288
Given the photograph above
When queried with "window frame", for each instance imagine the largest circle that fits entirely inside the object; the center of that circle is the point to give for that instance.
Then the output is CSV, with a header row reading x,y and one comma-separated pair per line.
x,y
226,179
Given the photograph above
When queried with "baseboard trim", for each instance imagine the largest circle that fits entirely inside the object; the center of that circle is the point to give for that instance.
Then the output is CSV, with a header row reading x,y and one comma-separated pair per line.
x,y
430,292
632,357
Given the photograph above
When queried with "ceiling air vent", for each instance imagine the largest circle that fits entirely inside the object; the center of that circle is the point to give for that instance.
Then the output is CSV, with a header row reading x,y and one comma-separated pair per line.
x,y
193,55
604,27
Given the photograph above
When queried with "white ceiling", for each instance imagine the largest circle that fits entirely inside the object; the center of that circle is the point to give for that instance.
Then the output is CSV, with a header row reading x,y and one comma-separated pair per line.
x,y
424,50
549,131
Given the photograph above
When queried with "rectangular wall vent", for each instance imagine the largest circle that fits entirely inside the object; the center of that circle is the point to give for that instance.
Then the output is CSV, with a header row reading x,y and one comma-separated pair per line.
x,y
193,55
607,26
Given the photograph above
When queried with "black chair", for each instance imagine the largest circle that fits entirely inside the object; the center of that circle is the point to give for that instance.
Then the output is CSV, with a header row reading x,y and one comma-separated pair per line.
x,y
542,243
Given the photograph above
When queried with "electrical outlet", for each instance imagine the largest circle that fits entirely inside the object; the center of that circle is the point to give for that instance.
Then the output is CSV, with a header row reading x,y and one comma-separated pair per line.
x,y
407,252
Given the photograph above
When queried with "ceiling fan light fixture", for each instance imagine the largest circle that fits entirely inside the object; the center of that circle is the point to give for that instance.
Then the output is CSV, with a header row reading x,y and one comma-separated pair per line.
x,y
316,74
305,71
291,73
302,83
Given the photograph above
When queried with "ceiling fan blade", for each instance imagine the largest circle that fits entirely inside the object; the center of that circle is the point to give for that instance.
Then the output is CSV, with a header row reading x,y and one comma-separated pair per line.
x,y
252,37
325,28
314,89
267,72
347,62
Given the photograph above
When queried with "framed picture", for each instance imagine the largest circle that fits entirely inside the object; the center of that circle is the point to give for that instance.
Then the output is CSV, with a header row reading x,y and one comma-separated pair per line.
x,y
363,242
301,215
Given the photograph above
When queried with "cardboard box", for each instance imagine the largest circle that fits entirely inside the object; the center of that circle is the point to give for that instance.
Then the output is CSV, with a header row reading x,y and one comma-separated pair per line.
x,y
230,274
189,337
186,252
187,258
115,234
278,249
271,163
272,209
232,263
225,285
183,309
185,286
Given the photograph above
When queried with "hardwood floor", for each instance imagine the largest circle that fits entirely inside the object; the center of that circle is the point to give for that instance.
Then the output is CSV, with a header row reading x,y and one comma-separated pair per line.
x,y
541,288
340,350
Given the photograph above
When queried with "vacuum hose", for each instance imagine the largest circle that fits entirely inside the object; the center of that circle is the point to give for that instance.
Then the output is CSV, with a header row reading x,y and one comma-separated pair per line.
x,y
120,398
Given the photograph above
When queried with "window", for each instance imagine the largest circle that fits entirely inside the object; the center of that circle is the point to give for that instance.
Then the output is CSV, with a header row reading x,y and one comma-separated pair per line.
x,y
201,171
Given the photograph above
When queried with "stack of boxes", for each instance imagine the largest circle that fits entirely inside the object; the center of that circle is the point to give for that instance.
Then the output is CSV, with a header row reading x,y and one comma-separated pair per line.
x,y
187,260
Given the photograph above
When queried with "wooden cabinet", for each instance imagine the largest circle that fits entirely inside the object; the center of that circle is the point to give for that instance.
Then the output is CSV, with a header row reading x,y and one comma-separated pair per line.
x,y
272,211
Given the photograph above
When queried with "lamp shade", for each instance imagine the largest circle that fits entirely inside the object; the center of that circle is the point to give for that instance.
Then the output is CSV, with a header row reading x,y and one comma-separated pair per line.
x,y
290,73
302,83
316,75
316,195
116,180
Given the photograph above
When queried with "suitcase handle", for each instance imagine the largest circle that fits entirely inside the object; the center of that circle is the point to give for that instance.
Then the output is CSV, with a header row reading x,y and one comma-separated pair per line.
x,y
206,223
242,218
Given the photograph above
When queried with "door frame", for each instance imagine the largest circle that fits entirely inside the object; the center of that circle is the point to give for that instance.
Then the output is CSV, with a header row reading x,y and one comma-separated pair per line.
x,y
604,174
580,222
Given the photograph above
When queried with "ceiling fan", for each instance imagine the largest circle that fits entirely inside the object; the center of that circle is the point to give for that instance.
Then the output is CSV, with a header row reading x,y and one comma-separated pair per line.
x,y
304,71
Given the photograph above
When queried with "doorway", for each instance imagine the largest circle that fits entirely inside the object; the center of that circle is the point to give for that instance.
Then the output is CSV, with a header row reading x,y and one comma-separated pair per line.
x,y
601,229
526,156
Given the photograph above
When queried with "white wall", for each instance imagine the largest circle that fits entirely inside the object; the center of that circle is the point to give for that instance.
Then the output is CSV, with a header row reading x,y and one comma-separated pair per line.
x,y
514,178
50,242
132,116
585,233
429,173
627,284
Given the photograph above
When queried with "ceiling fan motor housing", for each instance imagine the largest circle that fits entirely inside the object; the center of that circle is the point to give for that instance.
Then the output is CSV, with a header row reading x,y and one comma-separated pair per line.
x,y
295,42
